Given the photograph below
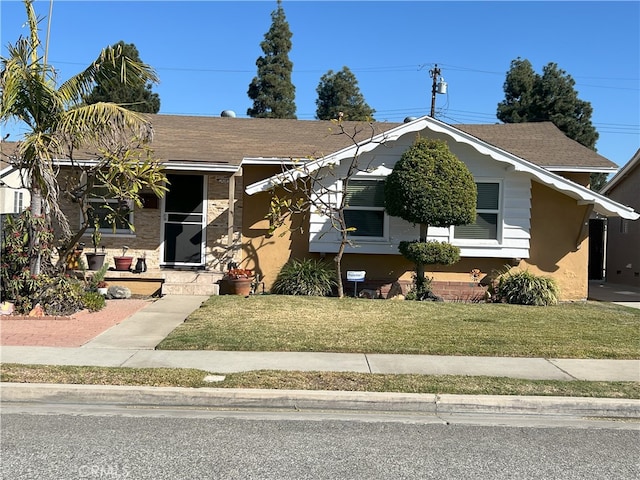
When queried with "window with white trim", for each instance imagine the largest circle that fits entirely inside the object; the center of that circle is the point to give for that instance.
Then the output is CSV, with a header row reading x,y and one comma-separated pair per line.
x,y
18,202
487,215
108,209
364,208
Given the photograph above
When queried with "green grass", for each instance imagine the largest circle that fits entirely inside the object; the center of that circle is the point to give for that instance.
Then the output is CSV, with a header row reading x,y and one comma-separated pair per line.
x,y
437,384
308,324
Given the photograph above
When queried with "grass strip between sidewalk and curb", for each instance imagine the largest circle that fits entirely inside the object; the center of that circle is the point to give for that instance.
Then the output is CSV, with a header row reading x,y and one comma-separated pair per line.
x,y
348,325
332,381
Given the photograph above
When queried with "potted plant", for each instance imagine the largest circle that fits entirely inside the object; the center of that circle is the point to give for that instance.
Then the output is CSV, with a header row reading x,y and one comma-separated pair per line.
x,y
95,259
96,282
238,281
123,263
102,288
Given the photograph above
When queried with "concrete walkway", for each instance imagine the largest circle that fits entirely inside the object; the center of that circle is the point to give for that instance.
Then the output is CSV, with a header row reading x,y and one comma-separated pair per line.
x,y
132,343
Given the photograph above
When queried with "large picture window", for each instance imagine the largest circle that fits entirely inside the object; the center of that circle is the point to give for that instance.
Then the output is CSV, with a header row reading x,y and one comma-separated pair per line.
x,y
487,214
364,208
108,210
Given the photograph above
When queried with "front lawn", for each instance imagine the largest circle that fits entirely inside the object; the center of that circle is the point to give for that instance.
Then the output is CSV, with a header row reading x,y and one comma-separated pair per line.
x,y
316,324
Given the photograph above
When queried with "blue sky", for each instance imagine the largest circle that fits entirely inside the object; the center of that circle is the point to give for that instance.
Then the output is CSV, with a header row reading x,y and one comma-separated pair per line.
x,y
205,51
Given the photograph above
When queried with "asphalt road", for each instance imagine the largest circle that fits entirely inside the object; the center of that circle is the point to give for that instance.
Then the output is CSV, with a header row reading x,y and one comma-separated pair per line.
x,y
102,442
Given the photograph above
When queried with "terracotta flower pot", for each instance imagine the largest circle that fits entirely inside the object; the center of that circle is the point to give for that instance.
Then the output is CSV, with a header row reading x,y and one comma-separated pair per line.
x,y
123,263
237,286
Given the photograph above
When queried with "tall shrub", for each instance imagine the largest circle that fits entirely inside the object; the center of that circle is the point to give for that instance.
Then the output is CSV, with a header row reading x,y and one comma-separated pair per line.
x,y
429,185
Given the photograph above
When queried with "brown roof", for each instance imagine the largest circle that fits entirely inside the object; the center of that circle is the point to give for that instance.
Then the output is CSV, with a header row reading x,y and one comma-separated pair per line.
x,y
229,140
224,140
541,143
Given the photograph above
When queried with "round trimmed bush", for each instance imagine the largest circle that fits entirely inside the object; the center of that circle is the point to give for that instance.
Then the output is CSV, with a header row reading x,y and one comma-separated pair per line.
x,y
429,253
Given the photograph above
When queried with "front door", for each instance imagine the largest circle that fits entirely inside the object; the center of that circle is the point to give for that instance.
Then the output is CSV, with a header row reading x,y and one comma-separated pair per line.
x,y
183,221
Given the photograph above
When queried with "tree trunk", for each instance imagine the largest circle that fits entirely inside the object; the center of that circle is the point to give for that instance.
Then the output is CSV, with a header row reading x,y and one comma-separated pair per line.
x,y
420,267
338,261
34,241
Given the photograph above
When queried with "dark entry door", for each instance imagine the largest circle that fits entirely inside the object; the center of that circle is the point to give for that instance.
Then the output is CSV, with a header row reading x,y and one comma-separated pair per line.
x,y
596,249
184,221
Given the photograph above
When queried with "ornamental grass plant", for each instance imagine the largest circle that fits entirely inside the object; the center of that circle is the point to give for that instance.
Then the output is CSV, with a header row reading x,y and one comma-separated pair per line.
x,y
305,277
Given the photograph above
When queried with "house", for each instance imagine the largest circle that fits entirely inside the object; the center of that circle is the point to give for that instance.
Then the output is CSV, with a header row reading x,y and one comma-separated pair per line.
x,y
623,234
221,171
13,198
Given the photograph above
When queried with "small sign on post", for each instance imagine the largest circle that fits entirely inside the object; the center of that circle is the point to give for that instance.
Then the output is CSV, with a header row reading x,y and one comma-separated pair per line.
x,y
355,276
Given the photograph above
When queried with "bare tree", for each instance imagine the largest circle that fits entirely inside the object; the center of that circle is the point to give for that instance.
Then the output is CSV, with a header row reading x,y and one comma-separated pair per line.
x,y
317,186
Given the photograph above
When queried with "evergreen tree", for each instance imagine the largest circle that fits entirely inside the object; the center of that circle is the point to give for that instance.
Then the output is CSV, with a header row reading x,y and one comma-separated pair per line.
x,y
137,97
530,97
430,186
271,89
339,92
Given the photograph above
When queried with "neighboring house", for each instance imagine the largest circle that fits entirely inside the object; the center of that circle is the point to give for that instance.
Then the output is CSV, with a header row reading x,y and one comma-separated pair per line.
x,y
221,169
13,198
623,235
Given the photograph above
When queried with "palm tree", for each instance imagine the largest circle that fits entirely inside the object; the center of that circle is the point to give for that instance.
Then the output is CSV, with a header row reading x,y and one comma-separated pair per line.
x,y
57,120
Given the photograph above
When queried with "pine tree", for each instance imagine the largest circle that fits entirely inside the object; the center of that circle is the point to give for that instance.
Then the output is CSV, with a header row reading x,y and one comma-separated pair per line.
x,y
339,92
137,97
551,97
271,89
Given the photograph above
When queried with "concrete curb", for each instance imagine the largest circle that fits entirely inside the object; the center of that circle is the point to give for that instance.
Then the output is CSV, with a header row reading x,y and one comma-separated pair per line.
x,y
225,398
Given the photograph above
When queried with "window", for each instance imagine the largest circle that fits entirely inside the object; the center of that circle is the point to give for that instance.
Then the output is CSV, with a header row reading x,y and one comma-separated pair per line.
x,y
624,226
18,202
487,215
107,209
364,208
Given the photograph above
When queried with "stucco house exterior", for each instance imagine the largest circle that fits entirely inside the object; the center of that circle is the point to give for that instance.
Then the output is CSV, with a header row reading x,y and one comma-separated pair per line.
x,y
623,235
535,207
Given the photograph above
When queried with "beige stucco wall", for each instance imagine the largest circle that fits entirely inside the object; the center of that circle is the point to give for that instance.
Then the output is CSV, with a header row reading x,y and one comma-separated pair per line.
x,y
264,253
556,223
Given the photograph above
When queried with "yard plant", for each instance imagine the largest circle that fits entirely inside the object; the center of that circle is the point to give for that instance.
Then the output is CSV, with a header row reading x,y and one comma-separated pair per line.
x,y
526,288
305,277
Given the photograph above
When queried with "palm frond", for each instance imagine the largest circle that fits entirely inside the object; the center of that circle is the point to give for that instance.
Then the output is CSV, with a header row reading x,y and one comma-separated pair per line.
x,y
111,63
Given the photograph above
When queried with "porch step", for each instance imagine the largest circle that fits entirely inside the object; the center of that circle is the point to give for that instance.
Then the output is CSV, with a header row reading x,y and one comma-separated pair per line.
x,y
185,282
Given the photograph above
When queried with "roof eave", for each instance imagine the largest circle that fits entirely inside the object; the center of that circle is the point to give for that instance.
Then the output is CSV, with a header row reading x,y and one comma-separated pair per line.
x,y
622,173
574,169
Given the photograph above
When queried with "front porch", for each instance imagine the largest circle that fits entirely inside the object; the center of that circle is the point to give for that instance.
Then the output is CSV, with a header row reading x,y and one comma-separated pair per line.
x,y
159,282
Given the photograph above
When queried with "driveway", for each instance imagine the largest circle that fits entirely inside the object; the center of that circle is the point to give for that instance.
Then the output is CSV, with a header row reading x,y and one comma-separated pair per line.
x,y
602,291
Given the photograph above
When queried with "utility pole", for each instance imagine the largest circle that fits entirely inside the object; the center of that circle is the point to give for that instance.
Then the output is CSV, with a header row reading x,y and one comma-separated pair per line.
x,y
436,87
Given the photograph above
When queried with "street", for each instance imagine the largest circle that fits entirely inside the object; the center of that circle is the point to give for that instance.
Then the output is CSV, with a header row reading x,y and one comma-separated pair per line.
x,y
42,441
